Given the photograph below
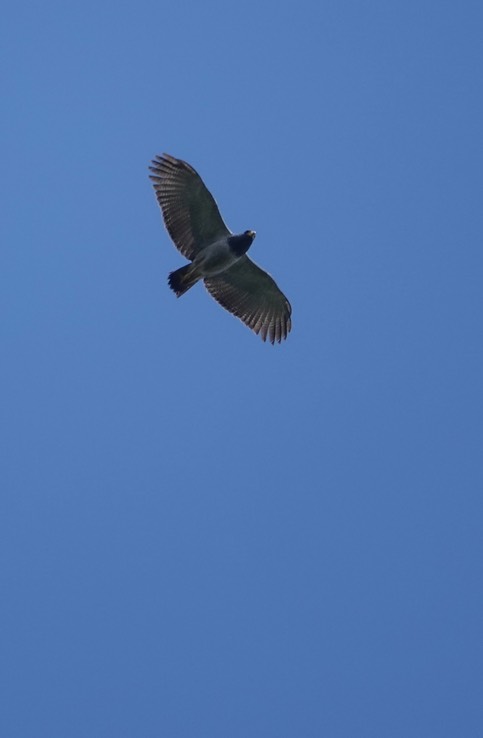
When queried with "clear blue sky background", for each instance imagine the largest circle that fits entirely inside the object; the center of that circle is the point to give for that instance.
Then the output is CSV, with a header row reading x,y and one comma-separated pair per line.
x,y
202,534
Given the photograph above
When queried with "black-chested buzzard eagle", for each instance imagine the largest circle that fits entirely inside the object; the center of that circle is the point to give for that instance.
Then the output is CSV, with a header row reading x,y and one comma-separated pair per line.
x,y
216,255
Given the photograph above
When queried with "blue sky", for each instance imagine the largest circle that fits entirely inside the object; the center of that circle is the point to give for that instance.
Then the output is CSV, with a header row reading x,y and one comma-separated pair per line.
x,y
202,534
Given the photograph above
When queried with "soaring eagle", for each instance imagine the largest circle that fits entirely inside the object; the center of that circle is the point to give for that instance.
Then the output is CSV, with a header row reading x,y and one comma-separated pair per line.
x,y
216,255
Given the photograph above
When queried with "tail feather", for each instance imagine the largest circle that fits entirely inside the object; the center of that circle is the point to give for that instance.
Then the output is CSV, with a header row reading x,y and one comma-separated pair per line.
x,y
182,279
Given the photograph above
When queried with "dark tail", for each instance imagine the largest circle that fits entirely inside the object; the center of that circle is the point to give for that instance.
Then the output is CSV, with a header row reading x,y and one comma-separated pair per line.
x,y
182,279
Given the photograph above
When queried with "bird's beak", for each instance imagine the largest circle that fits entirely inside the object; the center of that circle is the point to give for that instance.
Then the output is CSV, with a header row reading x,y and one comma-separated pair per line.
x,y
252,234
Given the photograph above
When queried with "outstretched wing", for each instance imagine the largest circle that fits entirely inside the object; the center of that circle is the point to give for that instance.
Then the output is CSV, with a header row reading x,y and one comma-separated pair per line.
x,y
253,296
189,210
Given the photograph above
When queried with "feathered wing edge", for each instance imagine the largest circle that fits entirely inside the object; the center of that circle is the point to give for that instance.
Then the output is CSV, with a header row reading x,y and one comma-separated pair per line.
x,y
253,296
190,212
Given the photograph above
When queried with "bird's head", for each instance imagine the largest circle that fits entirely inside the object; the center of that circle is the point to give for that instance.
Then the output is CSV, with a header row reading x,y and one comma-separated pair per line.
x,y
241,243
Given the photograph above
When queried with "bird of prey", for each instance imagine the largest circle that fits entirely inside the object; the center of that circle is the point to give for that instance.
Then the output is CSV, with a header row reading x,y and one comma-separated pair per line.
x,y
216,255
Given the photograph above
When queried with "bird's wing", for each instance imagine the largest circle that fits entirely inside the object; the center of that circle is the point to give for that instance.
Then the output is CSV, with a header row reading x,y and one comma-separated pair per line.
x,y
189,210
253,296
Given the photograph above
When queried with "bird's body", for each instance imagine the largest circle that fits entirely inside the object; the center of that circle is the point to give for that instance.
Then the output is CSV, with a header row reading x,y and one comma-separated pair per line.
x,y
217,255
222,254
215,258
